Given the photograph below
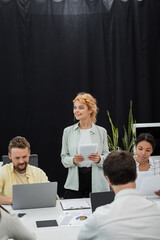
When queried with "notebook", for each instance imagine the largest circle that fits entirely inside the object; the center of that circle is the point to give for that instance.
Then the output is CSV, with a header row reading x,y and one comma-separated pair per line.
x,y
74,204
101,198
34,195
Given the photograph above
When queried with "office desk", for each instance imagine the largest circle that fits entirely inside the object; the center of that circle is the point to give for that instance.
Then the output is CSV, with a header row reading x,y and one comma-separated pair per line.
x,y
32,215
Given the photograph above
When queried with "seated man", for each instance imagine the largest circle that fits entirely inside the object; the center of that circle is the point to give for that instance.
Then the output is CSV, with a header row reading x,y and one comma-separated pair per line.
x,y
19,171
130,216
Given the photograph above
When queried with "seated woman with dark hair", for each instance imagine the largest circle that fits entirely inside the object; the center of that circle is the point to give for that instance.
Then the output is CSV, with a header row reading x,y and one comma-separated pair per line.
x,y
145,144
12,227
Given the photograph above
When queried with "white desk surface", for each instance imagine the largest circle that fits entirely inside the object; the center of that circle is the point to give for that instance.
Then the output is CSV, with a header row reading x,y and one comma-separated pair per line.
x,y
52,233
57,233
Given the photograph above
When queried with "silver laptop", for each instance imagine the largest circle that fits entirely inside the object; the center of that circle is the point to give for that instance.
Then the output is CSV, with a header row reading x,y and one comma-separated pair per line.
x,y
34,195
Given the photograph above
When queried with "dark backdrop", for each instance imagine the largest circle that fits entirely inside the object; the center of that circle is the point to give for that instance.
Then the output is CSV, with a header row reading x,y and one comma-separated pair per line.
x,y
52,49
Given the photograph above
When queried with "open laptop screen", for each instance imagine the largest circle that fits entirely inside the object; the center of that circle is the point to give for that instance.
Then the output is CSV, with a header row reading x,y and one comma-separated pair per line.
x,y
34,195
101,198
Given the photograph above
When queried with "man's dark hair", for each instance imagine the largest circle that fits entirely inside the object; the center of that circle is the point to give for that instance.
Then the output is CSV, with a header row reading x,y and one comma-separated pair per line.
x,y
120,167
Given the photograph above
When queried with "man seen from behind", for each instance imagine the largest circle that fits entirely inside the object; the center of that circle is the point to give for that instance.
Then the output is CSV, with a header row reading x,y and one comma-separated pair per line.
x,y
130,216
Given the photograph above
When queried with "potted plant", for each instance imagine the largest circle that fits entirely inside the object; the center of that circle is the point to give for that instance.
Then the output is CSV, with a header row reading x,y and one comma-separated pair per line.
x,y
129,137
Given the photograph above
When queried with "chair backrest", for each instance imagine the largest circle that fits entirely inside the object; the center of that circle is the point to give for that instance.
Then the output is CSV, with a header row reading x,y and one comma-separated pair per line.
x,y
33,159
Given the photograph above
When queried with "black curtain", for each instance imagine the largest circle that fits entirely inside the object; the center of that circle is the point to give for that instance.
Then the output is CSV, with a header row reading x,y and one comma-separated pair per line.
x,y
52,49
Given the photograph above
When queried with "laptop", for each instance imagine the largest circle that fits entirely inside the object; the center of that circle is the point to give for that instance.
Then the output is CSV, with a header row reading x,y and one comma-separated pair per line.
x,y
34,195
101,198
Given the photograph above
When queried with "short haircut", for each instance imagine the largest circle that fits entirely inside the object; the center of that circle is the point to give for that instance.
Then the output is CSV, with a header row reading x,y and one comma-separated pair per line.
x,y
120,167
146,137
18,142
90,102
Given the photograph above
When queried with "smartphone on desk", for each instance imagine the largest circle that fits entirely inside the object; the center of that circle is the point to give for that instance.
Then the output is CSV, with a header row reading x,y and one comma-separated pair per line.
x,y
21,214
46,223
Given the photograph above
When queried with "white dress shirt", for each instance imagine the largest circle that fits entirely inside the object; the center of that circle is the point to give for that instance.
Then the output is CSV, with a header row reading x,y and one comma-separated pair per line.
x,y
154,169
129,217
12,227
154,166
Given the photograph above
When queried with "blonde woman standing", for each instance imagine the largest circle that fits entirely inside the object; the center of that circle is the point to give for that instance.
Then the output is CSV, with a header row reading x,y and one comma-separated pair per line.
x,y
84,175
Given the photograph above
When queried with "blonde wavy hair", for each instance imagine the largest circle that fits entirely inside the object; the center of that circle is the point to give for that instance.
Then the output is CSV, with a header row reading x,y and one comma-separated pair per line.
x,y
90,102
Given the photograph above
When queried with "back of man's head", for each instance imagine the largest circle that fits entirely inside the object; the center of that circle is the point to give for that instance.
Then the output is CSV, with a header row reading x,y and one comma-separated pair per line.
x,y
18,142
120,168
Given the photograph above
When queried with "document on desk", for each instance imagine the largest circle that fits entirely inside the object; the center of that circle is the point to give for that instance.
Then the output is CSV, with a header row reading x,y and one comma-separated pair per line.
x,y
86,149
73,218
140,176
70,204
149,185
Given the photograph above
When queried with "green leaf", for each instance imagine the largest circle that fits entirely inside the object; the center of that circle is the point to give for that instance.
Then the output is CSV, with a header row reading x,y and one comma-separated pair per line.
x,y
113,143
129,137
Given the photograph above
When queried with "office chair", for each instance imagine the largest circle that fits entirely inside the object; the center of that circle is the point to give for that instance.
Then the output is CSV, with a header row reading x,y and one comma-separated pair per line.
x,y
33,160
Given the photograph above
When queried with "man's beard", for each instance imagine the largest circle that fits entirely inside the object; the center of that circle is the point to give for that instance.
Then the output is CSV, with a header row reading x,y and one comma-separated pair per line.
x,y
19,169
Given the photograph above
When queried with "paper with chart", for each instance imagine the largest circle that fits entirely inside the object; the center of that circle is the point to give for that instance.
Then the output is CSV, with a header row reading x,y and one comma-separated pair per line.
x,y
73,218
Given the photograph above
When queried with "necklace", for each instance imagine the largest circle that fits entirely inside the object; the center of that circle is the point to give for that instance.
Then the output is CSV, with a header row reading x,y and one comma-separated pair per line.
x,y
143,164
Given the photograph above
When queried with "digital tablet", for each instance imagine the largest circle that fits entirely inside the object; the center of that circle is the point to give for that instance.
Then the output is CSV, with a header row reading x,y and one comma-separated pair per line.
x,y
46,223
